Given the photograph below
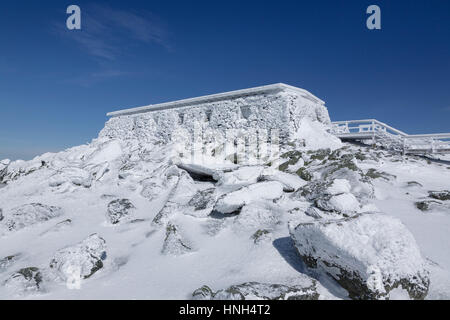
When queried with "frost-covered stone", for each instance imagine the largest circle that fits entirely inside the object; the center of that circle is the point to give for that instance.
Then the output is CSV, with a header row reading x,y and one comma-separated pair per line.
x,y
6,262
203,199
369,255
119,210
376,174
234,201
440,195
81,260
174,244
432,205
182,191
201,173
14,170
74,175
339,186
332,197
3,168
345,202
258,215
30,214
25,280
260,291
261,235
290,182
242,176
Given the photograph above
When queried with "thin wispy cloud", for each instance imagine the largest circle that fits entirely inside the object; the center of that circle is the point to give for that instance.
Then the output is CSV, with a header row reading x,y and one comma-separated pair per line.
x,y
108,33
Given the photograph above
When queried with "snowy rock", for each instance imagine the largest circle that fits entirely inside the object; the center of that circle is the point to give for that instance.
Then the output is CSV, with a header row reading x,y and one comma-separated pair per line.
x,y
261,235
369,255
376,174
413,184
25,280
290,182
73,175
332,197
233,202
14,170
119,210
293,161
440,195
1,215
432,205
3,168
201,173
242,176
361,187
6,262
203,199
152,190
258,215
179,196
174,244
341,203
81,260
339,186
30,214
259,291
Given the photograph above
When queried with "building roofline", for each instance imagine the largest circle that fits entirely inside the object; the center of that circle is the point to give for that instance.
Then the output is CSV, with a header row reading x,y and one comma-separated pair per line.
x,y
273,88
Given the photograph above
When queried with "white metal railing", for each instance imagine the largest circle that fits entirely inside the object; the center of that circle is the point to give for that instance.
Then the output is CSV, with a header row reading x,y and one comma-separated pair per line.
x,y
391,137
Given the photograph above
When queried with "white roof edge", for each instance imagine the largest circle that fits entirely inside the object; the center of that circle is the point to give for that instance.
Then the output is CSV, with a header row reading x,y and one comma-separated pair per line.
x,y
277,87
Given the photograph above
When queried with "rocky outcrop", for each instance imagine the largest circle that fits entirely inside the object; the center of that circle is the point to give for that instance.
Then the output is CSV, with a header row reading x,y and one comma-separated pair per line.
x,y
203,199
25,280
369,255
440,195
119,210
259,291
80,261
30,214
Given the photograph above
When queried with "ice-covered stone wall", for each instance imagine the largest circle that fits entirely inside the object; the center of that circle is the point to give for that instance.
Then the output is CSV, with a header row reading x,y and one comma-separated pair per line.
x,y
279,107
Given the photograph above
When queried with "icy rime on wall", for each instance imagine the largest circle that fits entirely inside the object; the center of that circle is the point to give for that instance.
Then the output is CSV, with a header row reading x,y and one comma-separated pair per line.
x,y
281,110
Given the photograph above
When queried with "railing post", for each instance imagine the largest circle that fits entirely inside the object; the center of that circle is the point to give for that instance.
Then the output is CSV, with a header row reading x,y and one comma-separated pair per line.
x,y
373,133
404,145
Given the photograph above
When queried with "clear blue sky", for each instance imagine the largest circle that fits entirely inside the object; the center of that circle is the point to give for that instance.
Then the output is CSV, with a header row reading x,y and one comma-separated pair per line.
x,y
56,85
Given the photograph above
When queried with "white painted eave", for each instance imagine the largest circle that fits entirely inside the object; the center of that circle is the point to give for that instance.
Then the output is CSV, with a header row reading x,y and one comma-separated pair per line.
x,y
273,88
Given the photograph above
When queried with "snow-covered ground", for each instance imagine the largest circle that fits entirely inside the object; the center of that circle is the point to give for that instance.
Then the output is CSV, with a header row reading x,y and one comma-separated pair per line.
x,y
120,220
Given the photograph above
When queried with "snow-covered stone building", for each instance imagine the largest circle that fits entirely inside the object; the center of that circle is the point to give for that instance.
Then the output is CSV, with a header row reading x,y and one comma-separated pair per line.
x,y
277,106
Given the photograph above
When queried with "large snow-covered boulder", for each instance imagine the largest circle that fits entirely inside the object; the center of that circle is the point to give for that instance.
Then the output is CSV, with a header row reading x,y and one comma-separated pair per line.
x,y
260,291
80,261
369,255
28,215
